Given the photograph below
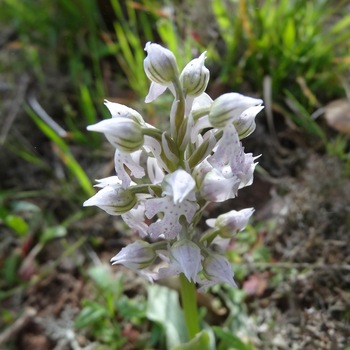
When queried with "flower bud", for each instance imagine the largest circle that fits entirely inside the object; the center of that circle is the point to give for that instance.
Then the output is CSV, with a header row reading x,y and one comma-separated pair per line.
x,y
160,64
228,107
123,133
232,222
245,124
217,269
135,256
113,199
195,76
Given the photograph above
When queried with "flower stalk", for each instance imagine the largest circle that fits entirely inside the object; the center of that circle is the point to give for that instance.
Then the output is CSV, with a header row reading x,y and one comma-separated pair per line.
x,y
189,305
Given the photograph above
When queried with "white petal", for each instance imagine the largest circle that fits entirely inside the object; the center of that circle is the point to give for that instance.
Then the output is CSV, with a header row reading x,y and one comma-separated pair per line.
x,y
131,161
202,101
155,91
135,219
154,171
108,181
179,185
218,188
118,110
187,255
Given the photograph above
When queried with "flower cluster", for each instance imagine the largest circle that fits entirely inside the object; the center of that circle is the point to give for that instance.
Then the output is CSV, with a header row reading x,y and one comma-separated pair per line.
x,y
165,179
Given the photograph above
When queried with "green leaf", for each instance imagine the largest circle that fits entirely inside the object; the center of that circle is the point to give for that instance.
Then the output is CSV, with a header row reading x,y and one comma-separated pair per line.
x,y
87,105
53,232
105,280
200,342
302,118
221,16
341,24
90,314
289,34
10,267
131,308
164,308
230,341
65,153
17,224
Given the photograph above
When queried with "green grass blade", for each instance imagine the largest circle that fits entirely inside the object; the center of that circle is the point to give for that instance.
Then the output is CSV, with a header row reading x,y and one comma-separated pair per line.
x,y
65,153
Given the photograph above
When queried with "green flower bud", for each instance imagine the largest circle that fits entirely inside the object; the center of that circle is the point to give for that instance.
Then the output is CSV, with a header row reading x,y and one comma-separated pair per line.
x,y
228,108
123,133
195,76
160,64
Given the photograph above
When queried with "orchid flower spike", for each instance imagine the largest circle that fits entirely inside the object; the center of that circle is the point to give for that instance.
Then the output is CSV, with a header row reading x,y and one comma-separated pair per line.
x,y
165,179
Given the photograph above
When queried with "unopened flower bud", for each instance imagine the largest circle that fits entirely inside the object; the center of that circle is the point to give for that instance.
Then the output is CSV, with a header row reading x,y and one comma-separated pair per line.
x,y
245,124
217,269
228,107
160,64
135,256
195,76
113,199
232,222
123,133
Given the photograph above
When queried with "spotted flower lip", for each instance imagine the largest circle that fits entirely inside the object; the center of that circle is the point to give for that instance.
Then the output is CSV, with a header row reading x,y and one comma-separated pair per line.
x,y
169,225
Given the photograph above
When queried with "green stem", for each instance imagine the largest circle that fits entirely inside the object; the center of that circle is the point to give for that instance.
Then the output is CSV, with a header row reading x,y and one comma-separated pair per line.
x,y
189,305
180,111
200,113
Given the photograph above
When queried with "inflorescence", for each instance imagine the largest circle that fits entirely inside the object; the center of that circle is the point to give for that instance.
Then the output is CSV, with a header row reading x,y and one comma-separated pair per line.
x,y
165,179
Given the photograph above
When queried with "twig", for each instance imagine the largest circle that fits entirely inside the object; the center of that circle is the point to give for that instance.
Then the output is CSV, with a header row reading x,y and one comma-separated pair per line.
x,y
17,326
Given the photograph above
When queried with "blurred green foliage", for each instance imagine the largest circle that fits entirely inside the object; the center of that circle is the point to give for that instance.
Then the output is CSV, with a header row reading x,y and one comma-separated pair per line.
x,y
302,45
